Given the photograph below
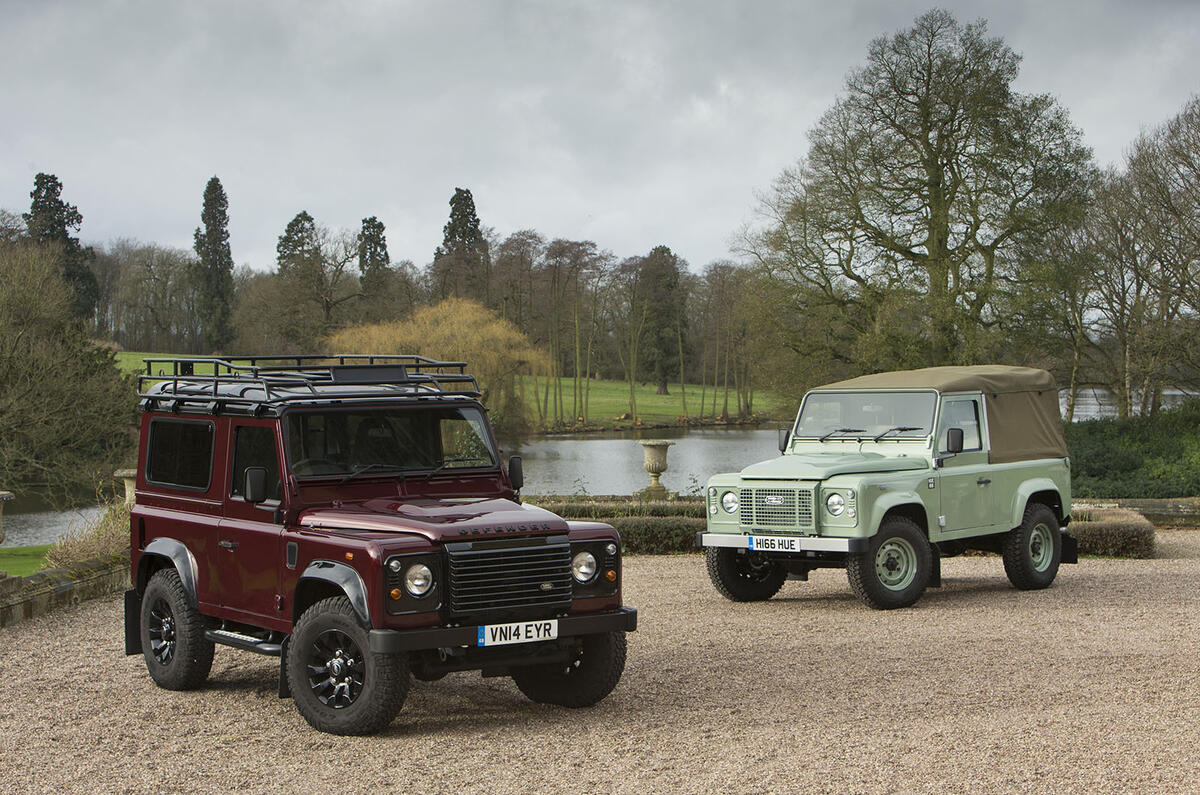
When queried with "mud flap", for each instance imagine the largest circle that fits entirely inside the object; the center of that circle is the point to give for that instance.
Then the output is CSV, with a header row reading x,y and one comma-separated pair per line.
x,y
1070,549
935,571
284,690
133,623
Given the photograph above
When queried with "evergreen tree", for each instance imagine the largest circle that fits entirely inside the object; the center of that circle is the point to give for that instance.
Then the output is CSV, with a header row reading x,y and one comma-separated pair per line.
x,y
373,259
298,252
50,220
659,284
461,264
214,272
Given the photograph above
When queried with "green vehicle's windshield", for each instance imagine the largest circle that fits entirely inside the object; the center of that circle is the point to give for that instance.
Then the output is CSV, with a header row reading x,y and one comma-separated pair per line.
x,y
866,415
376,442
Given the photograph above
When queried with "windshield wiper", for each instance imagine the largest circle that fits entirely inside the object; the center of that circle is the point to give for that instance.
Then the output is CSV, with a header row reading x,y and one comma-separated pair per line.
x,y
446,462
898,429
840,430
367,468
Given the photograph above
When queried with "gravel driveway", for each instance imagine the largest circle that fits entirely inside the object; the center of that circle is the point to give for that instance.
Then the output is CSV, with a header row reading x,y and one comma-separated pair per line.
x,y
1091,685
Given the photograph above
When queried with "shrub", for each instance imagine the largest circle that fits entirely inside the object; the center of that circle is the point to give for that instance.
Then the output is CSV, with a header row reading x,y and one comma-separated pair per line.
x,y
107,537
657,535
604,509
1154,456
1112,532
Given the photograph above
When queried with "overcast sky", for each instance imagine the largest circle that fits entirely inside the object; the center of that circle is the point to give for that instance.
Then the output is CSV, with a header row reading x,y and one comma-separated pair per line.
x,y
627,123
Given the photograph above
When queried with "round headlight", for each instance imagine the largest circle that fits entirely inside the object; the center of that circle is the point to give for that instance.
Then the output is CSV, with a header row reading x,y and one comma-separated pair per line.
x,y
418,579
835,504
583,566
729,501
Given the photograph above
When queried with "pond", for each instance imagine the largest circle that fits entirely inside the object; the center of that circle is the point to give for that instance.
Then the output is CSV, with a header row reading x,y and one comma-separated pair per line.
x,y
592,463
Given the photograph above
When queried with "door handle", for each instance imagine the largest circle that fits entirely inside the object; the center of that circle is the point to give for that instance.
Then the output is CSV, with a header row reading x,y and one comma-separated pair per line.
x,y
227,544
983,481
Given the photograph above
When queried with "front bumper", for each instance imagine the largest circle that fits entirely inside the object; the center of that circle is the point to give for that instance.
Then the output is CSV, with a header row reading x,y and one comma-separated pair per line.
x,y
393,641
765,542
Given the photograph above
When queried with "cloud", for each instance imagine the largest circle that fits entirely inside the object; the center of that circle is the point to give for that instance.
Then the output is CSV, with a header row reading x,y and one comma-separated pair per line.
x,y
628,123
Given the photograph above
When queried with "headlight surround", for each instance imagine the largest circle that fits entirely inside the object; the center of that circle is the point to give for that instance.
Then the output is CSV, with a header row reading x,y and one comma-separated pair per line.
x,y
583,567
835,504
729,501
418,579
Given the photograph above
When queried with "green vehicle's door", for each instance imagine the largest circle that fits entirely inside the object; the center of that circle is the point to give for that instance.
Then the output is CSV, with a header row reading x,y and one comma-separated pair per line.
x,y
964,480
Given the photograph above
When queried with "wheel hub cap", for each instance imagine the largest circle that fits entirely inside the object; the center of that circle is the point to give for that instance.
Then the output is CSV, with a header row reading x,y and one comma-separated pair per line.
x,y
896,564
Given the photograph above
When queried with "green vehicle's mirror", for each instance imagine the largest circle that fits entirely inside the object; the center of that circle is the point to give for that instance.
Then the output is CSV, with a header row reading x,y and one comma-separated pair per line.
x,y
954,441
783,439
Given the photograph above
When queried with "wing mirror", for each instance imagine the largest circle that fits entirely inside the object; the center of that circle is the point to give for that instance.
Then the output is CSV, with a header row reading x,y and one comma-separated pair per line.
x,y
954,441
255,490
783,439
516,472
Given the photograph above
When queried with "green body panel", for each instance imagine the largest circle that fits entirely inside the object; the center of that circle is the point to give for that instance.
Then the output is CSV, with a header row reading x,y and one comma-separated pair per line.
x,y
954,497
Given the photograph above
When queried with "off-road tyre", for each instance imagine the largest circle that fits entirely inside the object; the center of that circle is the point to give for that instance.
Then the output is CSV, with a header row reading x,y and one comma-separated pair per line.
x,y
370,688
742,575
895,568
177,654
1028,562
592,673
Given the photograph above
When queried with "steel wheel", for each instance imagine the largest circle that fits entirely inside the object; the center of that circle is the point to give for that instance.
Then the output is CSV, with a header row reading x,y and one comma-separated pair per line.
x,y
161,628
1041,547
896,564
336,669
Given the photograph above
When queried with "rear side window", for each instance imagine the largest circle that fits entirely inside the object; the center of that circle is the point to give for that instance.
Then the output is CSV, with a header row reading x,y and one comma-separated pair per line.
x,y
180,454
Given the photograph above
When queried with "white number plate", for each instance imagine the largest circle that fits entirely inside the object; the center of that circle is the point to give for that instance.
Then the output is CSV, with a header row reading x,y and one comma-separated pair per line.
x,y
520,632
774,544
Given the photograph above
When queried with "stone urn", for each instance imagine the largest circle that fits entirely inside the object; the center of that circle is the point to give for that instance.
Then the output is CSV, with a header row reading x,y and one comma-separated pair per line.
x,y
5,496
655,463
129,478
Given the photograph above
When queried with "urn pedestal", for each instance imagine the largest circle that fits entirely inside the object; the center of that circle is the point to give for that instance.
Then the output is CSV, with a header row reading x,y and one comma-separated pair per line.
x,y
654,461
5,496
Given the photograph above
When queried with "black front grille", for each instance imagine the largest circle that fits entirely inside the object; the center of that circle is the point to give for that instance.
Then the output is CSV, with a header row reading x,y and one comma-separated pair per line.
x,y
510,579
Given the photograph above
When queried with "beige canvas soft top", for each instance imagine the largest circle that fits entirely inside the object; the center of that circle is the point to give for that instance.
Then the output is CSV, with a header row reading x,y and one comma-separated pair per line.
x,y
1022,404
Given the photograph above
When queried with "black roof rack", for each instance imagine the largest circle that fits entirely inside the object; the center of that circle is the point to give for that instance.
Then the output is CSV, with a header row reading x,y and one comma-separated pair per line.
x,y
259,383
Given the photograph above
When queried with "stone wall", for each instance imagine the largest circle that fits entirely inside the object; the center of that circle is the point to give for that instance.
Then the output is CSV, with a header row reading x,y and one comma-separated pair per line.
x,y
22,598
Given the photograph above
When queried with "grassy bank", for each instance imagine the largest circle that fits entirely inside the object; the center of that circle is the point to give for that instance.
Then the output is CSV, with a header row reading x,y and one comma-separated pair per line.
x,y
607,401
22,561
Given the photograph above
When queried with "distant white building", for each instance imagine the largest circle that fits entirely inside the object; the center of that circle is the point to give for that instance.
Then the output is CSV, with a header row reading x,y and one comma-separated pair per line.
x,y
1094,402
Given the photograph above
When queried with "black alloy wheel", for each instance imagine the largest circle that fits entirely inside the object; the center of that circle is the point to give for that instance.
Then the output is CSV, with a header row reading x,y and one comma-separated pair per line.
x,y
160,626
336,669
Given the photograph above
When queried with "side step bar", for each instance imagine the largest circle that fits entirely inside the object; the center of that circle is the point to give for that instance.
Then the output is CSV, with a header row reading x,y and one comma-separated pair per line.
x,y
246,642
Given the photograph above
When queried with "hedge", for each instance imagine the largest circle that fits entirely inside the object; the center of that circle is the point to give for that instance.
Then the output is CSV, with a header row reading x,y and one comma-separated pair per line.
x,y
1112,532
607,508
1139,457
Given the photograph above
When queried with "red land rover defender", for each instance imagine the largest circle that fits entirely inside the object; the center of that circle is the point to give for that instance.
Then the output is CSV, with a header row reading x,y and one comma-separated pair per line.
x,y
350,515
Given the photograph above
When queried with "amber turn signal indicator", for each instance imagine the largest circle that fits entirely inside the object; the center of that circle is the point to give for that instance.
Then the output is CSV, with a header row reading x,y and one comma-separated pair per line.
x,y
395,593
610,575
349,556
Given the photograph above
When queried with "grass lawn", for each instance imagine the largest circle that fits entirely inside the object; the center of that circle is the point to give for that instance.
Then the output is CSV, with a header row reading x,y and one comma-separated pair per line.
x,y
20,561
607,400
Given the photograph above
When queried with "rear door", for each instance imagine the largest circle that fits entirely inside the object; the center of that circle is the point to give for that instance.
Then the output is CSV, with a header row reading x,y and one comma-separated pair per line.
x,y
250,539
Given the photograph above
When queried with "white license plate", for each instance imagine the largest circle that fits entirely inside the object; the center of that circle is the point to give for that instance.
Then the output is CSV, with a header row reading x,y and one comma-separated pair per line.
x,y
519,632
774,544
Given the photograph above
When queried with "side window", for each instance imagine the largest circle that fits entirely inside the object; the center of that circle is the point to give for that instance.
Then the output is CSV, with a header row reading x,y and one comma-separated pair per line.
x,y
179,453
962,414
254,446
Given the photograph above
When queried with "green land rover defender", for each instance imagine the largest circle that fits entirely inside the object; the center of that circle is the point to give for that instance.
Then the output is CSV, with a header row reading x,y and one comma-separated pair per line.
x,y
886,474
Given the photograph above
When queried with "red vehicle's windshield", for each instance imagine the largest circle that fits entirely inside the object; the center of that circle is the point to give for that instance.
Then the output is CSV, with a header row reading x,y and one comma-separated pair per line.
x,y
386,440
